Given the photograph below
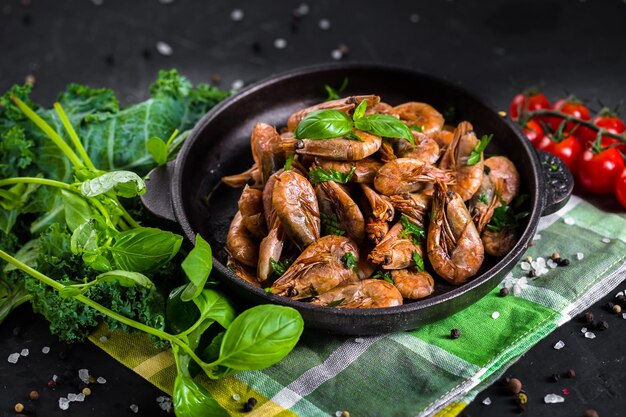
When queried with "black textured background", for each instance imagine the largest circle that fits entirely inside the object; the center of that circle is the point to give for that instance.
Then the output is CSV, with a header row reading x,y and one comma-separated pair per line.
x,y
494,48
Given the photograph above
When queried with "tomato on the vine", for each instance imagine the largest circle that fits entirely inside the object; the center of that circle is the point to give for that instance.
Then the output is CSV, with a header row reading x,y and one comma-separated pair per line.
x,y
571,107
569,150
608,121
620,188
533,131
526,102
598,170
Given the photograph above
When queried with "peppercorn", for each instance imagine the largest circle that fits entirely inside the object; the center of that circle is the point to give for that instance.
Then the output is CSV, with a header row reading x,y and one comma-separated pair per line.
x,y
603,325
86,391
563,262
555,256
52,383
34,395
504,292
591,413
588,317
556,377
515,385
19,407
570,373
521,398
532,273
247,407
252,401
345,414
617,309
455,333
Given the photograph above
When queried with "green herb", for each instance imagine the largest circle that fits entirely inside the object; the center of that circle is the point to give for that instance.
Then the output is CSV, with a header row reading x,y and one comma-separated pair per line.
x,y
159,149
419,261
474,157
384,275
279,268
385,126
486,169
330,225
289,161
417,128
336,303
334,94
359,111
350,260
318,174
144,249
505,216
197,266
353,136
269,290
232,268
483,198
554,167
411,230
324,124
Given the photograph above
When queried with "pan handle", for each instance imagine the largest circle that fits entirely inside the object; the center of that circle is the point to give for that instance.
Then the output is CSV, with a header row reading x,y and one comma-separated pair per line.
x,y
558,182
158,196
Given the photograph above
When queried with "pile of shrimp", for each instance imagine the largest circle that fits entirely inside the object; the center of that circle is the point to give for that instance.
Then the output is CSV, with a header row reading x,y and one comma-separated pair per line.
x,y
394,186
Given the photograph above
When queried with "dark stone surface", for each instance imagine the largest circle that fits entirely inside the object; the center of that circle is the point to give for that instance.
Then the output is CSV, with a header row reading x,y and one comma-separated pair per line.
x,y
494,48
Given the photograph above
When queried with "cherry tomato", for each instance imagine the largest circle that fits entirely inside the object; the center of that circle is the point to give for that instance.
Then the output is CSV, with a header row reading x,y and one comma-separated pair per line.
x,y
534,132
572,107
527,102
569,150
605,120
620,188
598,172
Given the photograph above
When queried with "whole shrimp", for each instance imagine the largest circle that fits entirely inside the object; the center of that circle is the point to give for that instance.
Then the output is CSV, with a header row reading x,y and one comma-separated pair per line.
x,y
271,246
334,201
369,293
364,169
382,212
341,149
251,208
240,244
425,150
295,204
405,175
342,104
268,155
419,116
251,176
499,243
454,247
468,177
413,284
395,251
414,205
318,269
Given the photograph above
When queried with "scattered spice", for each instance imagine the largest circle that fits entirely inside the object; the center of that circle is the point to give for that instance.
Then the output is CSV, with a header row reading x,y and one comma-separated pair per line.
x,y
617,309
565,391
504,292
86,391
455,333
555,256
249,405
34,395
603,325
345,414
570,373
532,274
563,262
19,407
52,383
588,317
521,398
514,385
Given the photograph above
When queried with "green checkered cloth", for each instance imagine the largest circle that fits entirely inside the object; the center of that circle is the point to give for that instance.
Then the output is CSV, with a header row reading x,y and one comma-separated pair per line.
x,y
422,372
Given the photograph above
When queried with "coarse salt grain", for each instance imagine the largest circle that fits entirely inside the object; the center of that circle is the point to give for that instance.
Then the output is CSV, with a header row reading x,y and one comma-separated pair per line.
x,y
537,237
134,408
303,9
24,352
83,374
590,335
624,316
324,24
525,266
487,401
164,48
237,84
606,240
45,350
64,403
584,330
338,413
495,315
552,264
280,43
80,397
236,15
359,340
13,357
101,380
414,18
103,339
236,397
71,397
569,221
336,54
580,256
559,345
553,399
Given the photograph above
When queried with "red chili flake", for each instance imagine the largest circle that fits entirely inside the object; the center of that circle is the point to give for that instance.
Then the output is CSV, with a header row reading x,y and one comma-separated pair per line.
x,y
565,391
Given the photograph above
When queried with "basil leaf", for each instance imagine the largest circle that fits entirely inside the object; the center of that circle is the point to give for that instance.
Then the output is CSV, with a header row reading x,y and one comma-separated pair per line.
x,y
84,238
474,157
126,278
197,266
411,230
212,351
385,126
213,307
483,198
260,337
144,249
419,261
359,111
124,183
317,175
334,94
179,316
324,124
350,260
77,210
27,254
190,398
158,149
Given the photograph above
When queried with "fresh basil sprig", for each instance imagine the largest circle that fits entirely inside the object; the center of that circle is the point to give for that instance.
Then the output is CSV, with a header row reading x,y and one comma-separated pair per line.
x,y
474,157
350,261
324,124
385,126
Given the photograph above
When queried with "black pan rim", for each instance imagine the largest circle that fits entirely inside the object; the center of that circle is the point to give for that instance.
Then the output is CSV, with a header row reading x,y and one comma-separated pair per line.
x,y
414,306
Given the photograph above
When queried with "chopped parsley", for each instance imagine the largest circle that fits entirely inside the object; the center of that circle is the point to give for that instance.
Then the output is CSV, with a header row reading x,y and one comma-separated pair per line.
x,y
317,175
289,161
411,230
278,268
350,260
474,157
334,94
384,275
483,198
419,261
360,110
335,303
505,216
417,128
330,225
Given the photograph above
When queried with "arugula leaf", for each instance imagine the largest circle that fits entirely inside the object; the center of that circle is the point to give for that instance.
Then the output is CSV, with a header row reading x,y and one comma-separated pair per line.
x,y
359,111
324,124
330,225
419,261
318,174
411,230
144,249
384,125
474,157
197,266
124,183
334,94
349,259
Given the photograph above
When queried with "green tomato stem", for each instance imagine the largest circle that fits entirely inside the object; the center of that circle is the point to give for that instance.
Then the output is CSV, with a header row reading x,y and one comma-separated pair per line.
x,y
570,118
48,130
72,133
